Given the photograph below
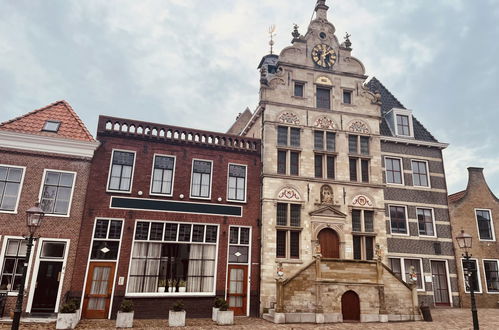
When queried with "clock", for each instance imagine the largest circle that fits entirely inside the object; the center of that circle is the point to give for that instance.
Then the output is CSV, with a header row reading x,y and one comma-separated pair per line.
x,y
323,55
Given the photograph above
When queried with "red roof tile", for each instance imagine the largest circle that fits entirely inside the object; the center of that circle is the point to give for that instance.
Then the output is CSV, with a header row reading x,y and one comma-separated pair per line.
x,y
456,196
71,126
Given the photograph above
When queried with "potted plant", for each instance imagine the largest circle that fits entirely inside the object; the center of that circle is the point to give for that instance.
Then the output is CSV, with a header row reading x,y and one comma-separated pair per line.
x,y
124,319
172,283
161,285
67,317
181,285
176,315
224,315
216,306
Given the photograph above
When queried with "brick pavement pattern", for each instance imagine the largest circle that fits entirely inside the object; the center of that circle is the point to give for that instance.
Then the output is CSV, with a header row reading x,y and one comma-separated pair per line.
x,y
442,319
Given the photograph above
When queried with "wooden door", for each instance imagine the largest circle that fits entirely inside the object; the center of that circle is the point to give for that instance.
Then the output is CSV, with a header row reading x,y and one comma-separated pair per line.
x,y
98,290
330,243
440,284
47,286
237,289
350,306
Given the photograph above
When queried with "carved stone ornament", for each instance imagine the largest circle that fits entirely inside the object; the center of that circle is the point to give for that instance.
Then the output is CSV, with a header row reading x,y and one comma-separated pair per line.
x,y
288,118
326,195
289,194
361,200
276,81
358,127
324,123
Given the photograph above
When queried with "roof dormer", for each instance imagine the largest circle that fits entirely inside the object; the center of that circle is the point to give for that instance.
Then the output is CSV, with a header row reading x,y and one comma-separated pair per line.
x,y
400,122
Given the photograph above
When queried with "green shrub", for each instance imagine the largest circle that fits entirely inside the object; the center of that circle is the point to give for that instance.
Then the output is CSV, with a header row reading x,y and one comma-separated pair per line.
x,y
178,306
69,307
126,306
224,305
218,301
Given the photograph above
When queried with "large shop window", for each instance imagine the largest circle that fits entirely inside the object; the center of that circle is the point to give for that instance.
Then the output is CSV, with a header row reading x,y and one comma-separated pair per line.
x,y
106,243
201,178
10,184
237,183
167,252
401,267
12,267
120,178
57,191
162,176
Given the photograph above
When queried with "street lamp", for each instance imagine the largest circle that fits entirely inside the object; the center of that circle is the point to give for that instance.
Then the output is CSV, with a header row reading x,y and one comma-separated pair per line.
x,y
464,241
34,216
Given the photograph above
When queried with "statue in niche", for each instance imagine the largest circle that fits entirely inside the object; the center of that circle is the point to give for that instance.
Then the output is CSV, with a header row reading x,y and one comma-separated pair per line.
x,y
326,195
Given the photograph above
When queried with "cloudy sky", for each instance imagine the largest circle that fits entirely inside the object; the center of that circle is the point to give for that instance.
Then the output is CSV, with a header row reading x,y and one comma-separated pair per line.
x,y
193,62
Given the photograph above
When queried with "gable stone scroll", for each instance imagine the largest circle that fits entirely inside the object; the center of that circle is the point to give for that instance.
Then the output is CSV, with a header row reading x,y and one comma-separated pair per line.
x,y
325,123
362,200
288,118
289,194
358,126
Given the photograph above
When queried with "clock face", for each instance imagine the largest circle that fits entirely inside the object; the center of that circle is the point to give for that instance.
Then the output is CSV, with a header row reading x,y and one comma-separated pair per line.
x,y
324,56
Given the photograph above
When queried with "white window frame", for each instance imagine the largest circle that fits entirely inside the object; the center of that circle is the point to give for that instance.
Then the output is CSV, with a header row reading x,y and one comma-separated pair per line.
x,y
485,275
479,279
408,231
401,170
152,174
30,261
70,197
245,183
432,210
402,270
491,225
403,112
110,168
192,175
20,187
427,173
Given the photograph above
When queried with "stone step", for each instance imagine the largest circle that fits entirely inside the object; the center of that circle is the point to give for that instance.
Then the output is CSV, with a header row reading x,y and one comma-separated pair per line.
x,y
268,317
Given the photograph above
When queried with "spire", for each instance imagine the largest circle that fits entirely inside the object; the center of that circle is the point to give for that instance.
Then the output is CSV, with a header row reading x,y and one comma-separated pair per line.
x,y
321,10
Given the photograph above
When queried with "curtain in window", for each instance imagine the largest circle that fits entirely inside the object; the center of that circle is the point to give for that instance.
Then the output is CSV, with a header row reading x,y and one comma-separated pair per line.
x,y
144,269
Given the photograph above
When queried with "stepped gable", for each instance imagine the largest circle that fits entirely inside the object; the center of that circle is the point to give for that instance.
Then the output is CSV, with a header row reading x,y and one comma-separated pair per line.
x,y
71,126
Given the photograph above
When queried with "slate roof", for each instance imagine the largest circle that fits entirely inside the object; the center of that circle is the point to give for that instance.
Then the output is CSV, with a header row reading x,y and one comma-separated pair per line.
x,y
71,127
456,196
388,102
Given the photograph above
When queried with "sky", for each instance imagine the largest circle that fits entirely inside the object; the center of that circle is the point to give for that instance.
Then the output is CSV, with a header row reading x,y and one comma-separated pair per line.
x,y
194,62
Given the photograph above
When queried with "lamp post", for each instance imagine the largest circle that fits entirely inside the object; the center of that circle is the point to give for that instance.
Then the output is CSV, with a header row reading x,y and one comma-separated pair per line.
x,y
34,216
464,241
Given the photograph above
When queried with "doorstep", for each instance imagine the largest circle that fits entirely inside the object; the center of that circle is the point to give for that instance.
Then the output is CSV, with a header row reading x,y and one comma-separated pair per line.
x,y
29,320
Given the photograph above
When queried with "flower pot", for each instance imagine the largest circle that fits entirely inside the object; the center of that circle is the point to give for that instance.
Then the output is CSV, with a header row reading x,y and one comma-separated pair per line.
x,y
124,320
214,312
181,289
161,289
176,319
225,317
66,321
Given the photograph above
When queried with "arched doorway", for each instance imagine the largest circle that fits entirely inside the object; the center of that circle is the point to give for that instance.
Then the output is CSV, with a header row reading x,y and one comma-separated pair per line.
x,y
330,243
350,306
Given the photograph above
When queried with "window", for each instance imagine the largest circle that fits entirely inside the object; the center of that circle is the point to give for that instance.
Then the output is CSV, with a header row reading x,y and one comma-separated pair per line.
x,y
162,175
10,187
485,226
393,170
398,219
51,126
347,97
106,240
120,178
288,136
420,173
354,164
426,224
491,270
201,178
323,98
324,162
399,264
363,241
285,156
298,91
471,275
288,223
237,183
56,192
358,144
13,264
239,242
403,125
176,252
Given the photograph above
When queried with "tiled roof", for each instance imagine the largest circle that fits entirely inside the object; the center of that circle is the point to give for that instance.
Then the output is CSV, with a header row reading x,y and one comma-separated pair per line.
x,y
456,196
388,102
71,126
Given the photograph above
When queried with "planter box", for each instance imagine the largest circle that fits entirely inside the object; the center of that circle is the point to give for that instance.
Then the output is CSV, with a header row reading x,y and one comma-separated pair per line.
x,y
161,289
181,289
66,321
176,319
124,320
225,317
214,312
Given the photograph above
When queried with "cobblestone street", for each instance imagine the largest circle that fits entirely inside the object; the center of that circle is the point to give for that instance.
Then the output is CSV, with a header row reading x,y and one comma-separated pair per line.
x,y
443,319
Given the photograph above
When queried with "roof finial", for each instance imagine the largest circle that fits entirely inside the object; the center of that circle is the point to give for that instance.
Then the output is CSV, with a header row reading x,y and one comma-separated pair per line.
x,y
348,43
272,35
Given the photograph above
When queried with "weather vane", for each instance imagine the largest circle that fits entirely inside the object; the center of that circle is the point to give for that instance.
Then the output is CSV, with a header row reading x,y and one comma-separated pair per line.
x,y
272,35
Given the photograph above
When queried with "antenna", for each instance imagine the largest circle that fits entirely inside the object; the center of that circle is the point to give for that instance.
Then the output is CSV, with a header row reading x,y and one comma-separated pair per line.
x,y
272,35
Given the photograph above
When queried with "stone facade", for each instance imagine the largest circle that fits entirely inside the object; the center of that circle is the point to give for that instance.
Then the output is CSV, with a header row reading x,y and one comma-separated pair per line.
x,y
465,208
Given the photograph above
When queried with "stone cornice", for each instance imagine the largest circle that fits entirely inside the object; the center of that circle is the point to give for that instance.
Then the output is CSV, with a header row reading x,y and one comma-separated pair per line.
x,y
414,142
339,73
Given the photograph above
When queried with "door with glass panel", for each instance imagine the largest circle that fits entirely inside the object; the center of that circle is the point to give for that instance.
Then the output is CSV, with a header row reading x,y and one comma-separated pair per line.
x,y
98,290
440,284
237,289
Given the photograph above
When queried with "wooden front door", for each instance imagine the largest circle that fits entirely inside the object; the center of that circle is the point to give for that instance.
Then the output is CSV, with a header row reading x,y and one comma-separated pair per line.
x,y
440,285
330,243
237,289
350,306
47,286
98,290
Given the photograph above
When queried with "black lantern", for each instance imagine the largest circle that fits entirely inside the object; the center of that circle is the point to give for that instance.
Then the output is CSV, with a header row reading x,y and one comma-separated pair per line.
x,y
464,240
34,216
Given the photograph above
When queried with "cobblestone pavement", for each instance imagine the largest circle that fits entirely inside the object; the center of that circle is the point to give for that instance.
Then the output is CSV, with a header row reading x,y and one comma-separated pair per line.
x,y
442,319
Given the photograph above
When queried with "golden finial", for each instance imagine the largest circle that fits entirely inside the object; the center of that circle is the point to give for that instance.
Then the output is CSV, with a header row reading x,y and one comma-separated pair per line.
x,y
272,35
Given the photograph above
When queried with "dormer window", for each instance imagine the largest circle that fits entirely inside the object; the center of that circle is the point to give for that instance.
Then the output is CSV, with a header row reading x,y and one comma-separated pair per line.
x,y
403,125
400,122
51,126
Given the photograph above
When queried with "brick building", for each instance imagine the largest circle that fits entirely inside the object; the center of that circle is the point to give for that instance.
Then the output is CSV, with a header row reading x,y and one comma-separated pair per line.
x,y
172,213
475,210
417,216
45,156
